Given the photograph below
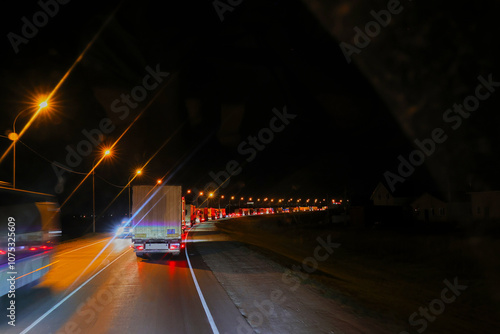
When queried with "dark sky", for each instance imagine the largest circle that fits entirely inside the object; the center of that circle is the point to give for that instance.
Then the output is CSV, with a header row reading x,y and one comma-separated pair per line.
x,y
347,125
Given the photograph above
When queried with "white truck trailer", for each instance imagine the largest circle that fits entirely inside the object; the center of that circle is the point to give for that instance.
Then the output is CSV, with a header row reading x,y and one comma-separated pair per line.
x,y
157,220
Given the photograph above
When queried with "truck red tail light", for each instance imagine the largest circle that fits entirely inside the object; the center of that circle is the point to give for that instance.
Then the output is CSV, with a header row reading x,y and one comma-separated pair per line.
x,y
140,247
174,246
183,245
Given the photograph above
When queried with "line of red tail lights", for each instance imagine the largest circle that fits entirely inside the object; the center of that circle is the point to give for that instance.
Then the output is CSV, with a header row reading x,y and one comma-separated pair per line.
x,y
32,248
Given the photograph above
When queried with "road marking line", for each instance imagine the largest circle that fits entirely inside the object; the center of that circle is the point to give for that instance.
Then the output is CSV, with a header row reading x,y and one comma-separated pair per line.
x,y
200,294
34,271
74,250
27,329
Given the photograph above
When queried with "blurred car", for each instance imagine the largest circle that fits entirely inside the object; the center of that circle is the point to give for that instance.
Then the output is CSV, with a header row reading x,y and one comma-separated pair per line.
x,y
124,230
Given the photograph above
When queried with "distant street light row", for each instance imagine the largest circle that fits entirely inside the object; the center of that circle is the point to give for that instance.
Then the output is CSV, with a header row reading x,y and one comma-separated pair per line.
x,y
307,201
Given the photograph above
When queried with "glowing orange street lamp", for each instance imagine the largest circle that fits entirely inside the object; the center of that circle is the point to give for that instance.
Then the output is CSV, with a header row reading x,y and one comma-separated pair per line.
x,y
15,137
221,197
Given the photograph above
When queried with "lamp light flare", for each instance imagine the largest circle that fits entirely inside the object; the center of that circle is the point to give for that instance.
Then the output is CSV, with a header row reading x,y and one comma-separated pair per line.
x,y
13,136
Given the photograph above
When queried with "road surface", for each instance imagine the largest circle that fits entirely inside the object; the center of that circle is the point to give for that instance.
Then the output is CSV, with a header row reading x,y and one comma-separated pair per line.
x,y
97,285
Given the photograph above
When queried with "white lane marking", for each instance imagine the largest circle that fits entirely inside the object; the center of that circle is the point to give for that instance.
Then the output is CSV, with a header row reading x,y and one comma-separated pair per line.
x,y
27,329
200,294
74,250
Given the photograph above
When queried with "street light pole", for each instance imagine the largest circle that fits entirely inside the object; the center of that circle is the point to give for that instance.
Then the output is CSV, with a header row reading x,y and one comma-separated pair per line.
x,y
14,167
106,153
93,199
14,137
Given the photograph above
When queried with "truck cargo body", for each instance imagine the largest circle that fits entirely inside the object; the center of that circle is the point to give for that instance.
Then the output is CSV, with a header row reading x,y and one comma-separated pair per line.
x,y
157,220
30,230
190,215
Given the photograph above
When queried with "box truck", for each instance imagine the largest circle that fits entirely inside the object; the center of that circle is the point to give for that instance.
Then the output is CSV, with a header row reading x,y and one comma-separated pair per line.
x,y
157,216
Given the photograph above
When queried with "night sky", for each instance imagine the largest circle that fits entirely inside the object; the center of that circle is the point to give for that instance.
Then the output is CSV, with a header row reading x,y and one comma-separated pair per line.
x,y
347,123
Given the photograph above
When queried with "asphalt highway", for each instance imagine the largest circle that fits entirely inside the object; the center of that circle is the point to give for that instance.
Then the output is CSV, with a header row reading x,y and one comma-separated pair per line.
x,y
98,285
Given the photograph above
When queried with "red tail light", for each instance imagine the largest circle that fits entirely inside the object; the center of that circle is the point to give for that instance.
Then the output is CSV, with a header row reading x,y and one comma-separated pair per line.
x,y
183,245
140,247
2,252
33,248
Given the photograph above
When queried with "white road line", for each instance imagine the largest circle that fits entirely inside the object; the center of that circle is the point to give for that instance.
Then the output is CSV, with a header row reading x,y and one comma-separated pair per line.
x,y
27,329
74,250
203,302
